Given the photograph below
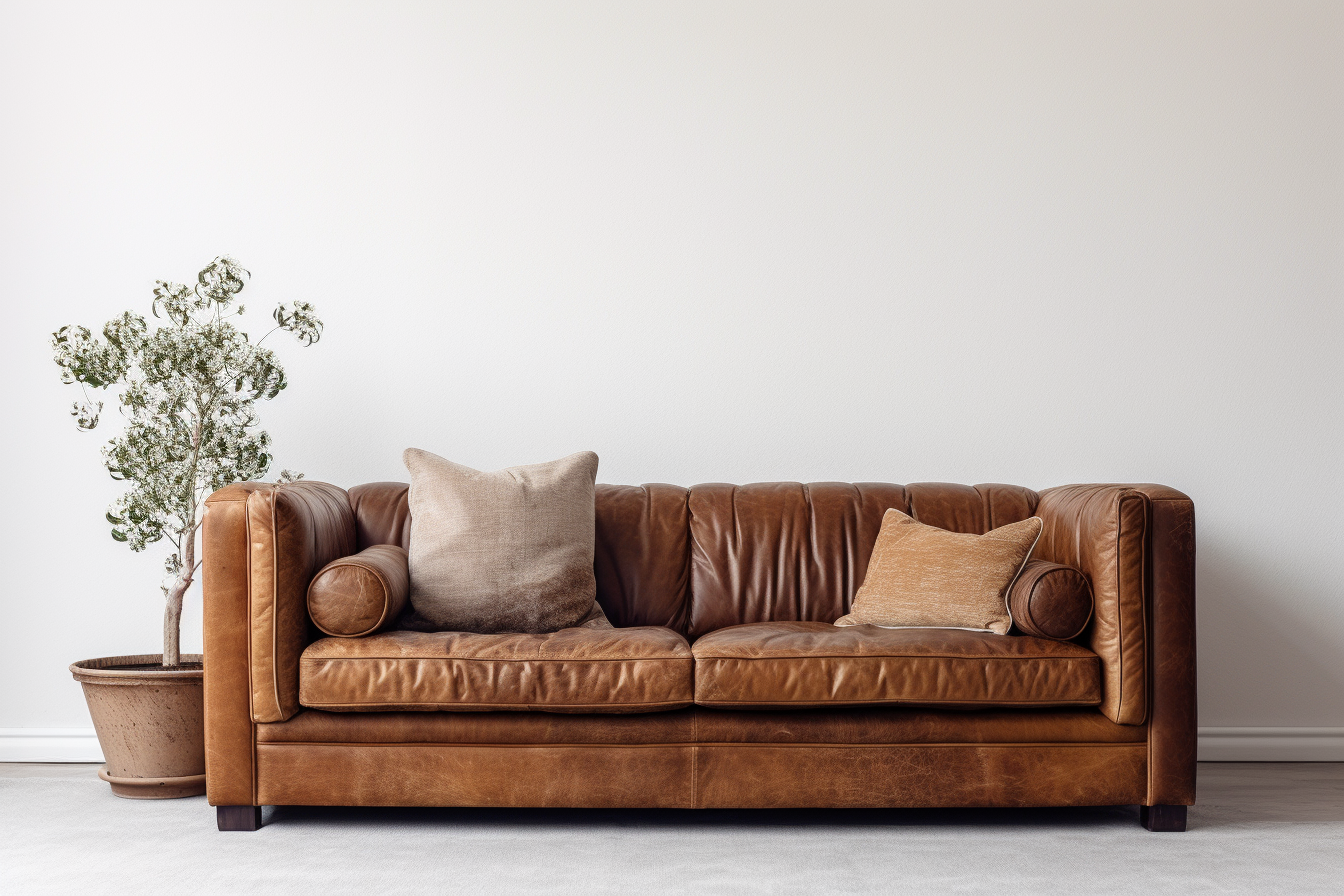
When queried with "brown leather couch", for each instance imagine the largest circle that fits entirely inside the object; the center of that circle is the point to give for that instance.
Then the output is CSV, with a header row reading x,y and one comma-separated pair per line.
x,y
724,683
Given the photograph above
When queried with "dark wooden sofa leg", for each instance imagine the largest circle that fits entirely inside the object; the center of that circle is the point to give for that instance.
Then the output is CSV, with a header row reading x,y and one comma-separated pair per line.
x,y
1162,818
238,818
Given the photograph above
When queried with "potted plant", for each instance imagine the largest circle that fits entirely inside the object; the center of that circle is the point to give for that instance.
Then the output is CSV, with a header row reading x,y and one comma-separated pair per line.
x,y
189,394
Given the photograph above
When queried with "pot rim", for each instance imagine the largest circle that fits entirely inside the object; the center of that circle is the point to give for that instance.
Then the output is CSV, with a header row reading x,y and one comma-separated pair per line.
x,y
102,670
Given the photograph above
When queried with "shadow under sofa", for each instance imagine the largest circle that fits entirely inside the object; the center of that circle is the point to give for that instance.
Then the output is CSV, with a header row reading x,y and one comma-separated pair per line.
x,y
723,683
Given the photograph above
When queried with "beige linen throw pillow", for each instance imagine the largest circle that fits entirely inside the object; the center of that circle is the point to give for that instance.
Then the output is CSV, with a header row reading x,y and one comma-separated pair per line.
x,y
508,551
924,577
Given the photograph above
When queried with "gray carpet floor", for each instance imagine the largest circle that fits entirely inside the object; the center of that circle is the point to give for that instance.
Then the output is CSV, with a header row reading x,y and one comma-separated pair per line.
x,y
1258,828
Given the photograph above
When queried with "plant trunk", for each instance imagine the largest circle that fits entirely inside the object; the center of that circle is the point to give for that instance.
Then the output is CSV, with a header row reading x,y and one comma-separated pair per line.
x,y
172,611
172,622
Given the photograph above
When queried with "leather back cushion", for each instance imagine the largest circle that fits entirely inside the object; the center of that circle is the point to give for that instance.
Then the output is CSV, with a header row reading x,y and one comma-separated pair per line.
x,y
641,550
788,551
715,555
382,514
781,551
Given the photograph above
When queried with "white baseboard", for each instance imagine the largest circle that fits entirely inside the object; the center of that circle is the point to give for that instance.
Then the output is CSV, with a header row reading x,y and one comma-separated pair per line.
x,y
1215,745
1271,744
49,745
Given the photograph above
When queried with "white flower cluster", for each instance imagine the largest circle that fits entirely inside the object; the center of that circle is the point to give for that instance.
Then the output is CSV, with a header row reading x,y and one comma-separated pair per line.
x,y
189,398
300,318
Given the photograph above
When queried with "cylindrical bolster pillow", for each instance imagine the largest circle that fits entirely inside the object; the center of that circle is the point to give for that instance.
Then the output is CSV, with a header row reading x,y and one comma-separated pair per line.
x,y
1050,600
361,594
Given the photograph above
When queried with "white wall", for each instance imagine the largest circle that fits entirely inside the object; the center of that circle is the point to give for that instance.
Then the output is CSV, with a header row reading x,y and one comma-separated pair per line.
x,y
1027,242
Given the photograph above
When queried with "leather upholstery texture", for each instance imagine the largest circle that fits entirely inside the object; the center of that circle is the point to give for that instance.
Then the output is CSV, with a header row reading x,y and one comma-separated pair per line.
x,y
641,551
700,757
317,726
643,555
1170,584
250,593
359,595
789,551
294,530
781,776
1103,531
576,776
230,771
589,670
910,725
809,664
853,725
781,551
699,561
382,514
1050,600
706,557
686,776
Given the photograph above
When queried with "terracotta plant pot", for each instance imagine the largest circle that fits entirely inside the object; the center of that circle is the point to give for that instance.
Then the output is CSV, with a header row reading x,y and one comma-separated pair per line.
x,y
150,723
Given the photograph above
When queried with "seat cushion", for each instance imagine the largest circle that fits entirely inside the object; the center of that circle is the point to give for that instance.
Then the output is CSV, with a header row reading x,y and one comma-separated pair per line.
x,y
641,669
815,664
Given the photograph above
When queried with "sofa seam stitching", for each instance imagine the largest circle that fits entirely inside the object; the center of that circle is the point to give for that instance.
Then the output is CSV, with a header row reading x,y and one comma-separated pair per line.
x,y
251,684
695,759
275,608
924,656
468,659
694,743
673,703
1129,494
934,701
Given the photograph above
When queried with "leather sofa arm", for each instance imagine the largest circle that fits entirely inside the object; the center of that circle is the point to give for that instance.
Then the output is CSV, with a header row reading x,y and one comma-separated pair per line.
x,y
261,546
1102,530
1136,543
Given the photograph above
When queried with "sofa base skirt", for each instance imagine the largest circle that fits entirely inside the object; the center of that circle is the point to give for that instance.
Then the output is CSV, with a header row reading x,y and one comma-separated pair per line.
x,y
694,776
777,776
581,776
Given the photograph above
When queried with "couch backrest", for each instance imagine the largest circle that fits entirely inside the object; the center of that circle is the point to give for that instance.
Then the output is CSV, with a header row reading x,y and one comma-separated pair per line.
x,y
702,558
776,551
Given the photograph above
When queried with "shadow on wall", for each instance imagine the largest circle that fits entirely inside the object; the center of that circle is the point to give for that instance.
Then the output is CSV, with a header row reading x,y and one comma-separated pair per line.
x,y
1260,644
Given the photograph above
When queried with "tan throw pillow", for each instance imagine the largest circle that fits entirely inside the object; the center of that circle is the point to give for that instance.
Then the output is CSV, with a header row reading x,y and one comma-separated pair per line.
x,y
508,551
924,577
